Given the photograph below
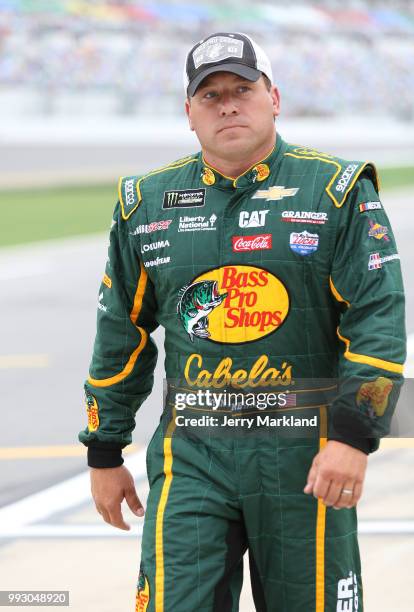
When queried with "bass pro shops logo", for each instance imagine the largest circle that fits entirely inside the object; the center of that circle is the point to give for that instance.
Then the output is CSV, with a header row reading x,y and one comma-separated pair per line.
x,y
347,600
92,411
233,304
143,593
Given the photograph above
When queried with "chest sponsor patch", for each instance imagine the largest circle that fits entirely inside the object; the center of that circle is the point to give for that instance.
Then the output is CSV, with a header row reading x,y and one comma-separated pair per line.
x,y
364,206
304,243
252,218
304,216
157,262
277,192
154,246
378,231
233,304
197,224
184,198
251,243
154,226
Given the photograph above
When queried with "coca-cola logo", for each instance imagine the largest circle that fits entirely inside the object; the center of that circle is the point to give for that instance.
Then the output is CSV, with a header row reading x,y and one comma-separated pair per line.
x,y
252,243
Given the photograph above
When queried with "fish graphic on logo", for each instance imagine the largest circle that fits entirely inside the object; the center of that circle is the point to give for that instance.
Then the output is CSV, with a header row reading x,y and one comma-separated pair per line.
x,y
197,301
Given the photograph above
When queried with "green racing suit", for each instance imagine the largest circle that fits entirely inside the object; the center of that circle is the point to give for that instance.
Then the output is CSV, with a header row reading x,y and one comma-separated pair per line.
x,y
288,273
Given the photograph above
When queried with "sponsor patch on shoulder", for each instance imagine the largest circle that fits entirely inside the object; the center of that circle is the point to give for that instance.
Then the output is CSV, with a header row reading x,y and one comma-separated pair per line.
x,y
310,152
375,260
184,198
378,231
364,206
129,194
346,177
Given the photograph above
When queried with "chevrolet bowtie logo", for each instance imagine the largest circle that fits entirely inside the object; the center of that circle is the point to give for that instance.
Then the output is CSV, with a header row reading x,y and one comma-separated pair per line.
x,y
277,192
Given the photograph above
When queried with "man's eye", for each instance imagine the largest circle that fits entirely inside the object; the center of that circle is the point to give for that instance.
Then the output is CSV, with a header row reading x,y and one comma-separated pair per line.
x,y
243,89
210,94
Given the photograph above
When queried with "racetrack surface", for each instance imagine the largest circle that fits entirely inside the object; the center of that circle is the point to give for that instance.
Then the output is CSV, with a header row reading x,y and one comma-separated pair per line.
x,y
49,295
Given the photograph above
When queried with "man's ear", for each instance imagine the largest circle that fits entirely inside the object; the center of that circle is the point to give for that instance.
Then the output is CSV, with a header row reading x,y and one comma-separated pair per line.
x,y
274,92
187,107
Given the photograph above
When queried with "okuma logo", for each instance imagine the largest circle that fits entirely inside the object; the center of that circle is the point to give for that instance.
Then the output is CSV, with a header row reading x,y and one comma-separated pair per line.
x,y
233,304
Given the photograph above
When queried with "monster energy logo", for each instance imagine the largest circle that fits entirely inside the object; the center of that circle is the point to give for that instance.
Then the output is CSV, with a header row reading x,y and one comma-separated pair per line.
x,y
172,198
184,198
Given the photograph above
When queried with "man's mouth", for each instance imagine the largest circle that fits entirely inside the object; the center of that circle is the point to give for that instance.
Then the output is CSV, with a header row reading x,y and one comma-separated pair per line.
x,y
230,127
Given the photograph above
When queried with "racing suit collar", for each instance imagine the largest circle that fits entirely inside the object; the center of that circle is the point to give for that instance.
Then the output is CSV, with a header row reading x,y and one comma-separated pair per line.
x,y
256,174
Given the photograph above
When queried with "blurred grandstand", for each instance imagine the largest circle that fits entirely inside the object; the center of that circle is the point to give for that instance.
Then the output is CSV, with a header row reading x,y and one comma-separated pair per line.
x,y
124,57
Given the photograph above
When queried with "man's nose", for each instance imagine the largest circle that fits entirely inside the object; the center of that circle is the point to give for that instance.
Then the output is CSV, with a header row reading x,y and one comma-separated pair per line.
x,y
228,105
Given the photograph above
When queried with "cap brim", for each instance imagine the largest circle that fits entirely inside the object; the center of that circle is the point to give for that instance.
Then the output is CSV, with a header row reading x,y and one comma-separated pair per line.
x,y
251,74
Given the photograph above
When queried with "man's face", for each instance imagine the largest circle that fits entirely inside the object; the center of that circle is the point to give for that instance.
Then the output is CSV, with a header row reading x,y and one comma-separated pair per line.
x,y
233,117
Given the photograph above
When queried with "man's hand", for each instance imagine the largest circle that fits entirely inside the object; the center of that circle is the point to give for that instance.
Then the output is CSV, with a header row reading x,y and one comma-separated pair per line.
x,y
109,487
337,475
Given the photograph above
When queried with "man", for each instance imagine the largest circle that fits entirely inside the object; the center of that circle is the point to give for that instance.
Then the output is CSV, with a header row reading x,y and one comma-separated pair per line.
x,y
270,266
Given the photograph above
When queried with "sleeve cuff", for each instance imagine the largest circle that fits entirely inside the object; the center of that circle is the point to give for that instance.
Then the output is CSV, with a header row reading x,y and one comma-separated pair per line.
x,y
366,445
104,457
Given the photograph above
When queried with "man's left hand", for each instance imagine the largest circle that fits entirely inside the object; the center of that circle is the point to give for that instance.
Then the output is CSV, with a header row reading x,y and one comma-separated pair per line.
x,y
337,475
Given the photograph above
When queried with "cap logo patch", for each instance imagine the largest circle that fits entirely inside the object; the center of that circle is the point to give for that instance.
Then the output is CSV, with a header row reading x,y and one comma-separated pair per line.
x,y
217,49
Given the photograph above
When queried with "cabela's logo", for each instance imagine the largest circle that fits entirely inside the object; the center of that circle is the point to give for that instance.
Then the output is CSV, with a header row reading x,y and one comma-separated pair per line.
x,y
260,374
233,304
